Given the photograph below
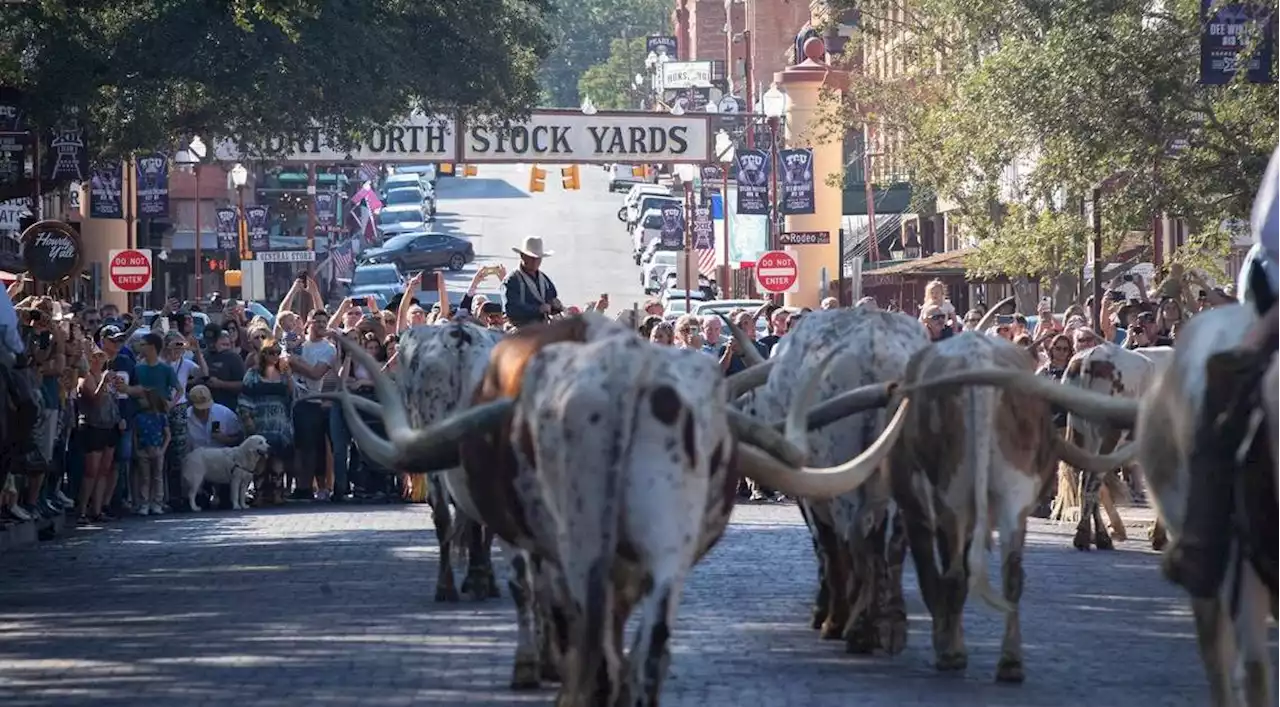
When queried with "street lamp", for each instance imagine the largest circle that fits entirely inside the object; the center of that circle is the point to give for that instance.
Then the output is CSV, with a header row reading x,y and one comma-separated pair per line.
x,y
677,108
588,108
724,152
191,157
774,105
240,177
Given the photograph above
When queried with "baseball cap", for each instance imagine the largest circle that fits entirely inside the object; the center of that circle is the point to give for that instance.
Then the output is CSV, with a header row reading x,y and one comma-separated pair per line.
x,y
200,397
111,332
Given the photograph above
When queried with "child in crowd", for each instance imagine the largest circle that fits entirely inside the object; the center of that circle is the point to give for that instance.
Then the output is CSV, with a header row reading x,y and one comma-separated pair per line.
x,y
151,441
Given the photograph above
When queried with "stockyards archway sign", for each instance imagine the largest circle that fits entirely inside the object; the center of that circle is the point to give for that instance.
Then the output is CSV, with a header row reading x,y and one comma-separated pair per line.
x,y
552,136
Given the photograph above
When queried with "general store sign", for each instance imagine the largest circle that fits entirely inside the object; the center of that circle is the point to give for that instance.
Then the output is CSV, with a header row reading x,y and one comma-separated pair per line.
x,y
286,256
419,138
571,137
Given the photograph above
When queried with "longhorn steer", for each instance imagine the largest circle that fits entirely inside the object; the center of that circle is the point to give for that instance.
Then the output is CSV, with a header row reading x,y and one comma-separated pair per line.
x,y
1108,370
614,463
971,458
1232,624
858,536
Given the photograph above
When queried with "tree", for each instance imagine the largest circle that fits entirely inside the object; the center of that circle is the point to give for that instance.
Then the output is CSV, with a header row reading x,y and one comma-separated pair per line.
x,y
1075,94
584,33
144,73
609,85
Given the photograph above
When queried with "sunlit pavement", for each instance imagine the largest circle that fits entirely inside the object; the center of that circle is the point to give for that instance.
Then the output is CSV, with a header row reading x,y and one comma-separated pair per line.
x,y
316,605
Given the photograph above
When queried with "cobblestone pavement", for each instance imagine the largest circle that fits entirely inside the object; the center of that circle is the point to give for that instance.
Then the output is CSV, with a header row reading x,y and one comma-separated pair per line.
x,y
327,606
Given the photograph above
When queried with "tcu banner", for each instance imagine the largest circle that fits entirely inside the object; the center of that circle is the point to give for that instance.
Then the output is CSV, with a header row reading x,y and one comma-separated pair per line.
x,y
153,186
753,182
228,231
673,227
66,157
326,210
796,180
106,197
256,218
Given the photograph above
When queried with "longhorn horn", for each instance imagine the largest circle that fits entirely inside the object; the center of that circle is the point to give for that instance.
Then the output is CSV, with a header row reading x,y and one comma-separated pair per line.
x,y
1087,403
818,482
986,318
1081,458
362,404
428,450
746,347
764,436
749,379
852,402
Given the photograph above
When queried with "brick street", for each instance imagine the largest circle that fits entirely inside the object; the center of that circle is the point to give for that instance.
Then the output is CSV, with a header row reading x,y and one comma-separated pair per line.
x,y
333,606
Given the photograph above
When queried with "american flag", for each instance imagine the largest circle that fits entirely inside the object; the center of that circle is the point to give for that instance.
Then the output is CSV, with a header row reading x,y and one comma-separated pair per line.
x,y
343,259
707,262
367,195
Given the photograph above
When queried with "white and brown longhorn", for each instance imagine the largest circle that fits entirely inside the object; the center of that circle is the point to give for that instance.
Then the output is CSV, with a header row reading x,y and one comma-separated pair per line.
x,y
858,537
614,464
1231,628
1109,370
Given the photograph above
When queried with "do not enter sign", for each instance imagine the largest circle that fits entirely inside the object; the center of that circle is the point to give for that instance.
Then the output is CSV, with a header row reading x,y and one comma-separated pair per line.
x,y
130,270
776,271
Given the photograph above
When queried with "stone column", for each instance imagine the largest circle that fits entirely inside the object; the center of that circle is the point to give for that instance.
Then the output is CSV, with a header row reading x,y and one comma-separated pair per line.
x,y
802,83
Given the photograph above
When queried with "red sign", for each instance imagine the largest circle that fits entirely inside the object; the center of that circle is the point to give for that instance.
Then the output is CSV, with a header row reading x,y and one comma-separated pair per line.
x,y
776,271
130,270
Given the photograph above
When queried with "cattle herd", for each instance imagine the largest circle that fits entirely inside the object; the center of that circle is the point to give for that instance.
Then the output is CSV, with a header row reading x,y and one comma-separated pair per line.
x,y
606,467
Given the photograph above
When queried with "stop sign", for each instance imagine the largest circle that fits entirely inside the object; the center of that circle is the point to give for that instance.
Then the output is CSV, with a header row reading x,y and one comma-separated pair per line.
x,y
776,271
130,270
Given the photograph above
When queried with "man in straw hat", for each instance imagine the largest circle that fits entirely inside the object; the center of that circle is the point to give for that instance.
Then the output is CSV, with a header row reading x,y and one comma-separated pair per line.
x,y
528,295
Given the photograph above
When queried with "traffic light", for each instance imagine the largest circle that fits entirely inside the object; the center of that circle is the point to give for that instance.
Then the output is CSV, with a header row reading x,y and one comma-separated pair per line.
x,y
638,171
470,171
537,179
569,177
446,168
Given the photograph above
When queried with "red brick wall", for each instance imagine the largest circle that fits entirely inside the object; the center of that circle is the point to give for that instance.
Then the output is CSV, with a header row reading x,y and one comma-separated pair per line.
x,y
774,25
680,20
706,27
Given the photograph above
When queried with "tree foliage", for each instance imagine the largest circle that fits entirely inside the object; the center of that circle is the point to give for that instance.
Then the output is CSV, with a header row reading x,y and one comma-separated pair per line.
x,y
143,73
1014,110
609,85
584,32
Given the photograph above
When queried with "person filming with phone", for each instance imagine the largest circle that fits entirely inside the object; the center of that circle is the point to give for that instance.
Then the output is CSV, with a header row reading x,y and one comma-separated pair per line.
x,y
528,295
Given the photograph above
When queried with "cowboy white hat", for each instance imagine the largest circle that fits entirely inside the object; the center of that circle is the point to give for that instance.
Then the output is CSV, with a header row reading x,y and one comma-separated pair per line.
x,y
533,248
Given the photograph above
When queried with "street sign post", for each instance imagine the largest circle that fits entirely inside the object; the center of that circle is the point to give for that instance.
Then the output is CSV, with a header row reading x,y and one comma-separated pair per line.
x,y
777,272
804,238
130,270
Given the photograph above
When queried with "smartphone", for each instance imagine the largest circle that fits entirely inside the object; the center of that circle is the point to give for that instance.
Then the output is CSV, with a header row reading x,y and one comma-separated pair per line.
x,y
1004,319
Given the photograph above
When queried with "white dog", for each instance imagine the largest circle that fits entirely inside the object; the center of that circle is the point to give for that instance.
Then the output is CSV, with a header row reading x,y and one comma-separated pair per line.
x,y
224,465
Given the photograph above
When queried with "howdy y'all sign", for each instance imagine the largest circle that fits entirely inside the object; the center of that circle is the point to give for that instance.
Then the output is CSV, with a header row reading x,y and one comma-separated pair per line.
x,y
51,250
572,137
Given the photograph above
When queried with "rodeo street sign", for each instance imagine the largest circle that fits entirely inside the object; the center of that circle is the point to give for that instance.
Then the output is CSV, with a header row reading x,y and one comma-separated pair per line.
x,y
571,137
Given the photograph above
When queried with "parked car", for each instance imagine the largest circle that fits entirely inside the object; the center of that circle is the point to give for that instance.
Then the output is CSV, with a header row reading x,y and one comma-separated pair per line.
x,y
423,251
400,213
673,302
645,234
384,280
427,172
406,179
631,201
407,195
647,203
621,176
704,284
651,277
